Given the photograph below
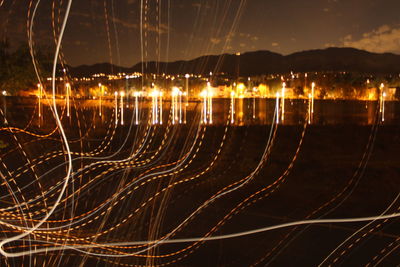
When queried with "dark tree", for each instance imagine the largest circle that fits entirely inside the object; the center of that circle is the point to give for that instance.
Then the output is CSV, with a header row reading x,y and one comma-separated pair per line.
x,y
17,70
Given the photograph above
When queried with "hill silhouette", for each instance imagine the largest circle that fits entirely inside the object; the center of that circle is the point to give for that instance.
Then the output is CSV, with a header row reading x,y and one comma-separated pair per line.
x,y
262,62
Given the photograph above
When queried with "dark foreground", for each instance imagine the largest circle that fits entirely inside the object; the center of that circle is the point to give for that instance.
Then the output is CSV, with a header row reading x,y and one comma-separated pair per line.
x,y
338,171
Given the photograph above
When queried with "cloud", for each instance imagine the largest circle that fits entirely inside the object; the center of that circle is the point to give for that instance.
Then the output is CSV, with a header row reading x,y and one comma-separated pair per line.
x,y
200,5
248,36
161,29
215,41
275,44
327,45
80,43
255,38
383,39
124,23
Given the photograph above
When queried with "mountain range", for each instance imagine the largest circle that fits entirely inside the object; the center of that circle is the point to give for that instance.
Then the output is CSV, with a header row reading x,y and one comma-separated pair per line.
x,y
261,62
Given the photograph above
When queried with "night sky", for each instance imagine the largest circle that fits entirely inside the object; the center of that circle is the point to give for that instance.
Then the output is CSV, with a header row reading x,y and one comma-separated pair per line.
x,y
109,30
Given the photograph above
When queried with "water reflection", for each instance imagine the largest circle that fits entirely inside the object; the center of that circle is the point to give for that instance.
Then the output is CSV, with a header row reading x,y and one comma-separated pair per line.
x,y
243,111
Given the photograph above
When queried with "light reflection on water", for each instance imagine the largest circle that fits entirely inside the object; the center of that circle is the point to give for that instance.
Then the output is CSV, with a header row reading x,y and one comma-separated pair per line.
x,y
247,111
326,112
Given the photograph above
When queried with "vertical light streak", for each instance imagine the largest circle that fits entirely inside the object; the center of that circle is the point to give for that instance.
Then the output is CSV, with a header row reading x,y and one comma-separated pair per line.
x,y
156,106
173,109
187,76
209,98
128,96
116,107
152,108
383,106
210,107
39,100
68,89
283,100
155,95
4,93
232,107
100,100
137,108
254,103
173,105
176,105
204,113
312,97
277,107
382,87
309,108
161,108
207,112
180,107
122,95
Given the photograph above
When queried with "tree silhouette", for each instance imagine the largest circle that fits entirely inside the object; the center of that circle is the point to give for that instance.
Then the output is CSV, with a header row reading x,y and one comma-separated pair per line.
x,y
16,68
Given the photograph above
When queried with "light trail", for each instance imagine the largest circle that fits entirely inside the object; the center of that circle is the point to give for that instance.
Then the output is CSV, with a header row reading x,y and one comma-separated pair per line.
x,y
139,175
205,239
353,181
61,129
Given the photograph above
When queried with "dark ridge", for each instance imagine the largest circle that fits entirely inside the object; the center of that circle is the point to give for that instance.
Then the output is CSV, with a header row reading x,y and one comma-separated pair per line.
x,y
262,62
